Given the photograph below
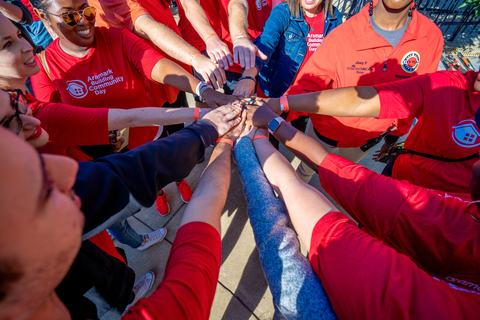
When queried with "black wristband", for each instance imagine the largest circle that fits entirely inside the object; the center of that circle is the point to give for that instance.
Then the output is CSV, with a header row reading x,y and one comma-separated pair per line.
x,y
248,77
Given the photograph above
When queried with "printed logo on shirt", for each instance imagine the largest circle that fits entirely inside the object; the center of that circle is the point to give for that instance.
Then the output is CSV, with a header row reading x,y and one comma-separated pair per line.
x,y
463,282
314,41
466,134
260,4
410,61
97,84
77,88
360,67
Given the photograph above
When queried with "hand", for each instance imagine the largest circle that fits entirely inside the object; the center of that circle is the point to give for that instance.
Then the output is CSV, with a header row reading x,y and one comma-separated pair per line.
x,y
236,131
381,153
224,118
248,130
114,144
259,115
245,87
218,51
244,52
210,72
214,99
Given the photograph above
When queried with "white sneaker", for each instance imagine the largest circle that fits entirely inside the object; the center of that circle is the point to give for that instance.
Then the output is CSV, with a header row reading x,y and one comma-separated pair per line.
x,y
153,237
143,285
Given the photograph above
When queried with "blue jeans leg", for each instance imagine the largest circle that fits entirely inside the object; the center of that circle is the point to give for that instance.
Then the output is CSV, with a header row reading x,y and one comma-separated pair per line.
x,y
125,234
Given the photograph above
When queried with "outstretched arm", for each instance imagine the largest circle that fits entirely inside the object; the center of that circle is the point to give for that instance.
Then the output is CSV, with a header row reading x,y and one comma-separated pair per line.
x,y
244,51
173,45
343,102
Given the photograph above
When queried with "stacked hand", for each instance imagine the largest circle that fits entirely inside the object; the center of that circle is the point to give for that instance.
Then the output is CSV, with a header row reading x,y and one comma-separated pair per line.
x,y
218,51
244,52
214,99
225,118
210,71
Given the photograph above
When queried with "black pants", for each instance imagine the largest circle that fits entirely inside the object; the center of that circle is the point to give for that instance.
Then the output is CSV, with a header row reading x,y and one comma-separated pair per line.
x,y
93,267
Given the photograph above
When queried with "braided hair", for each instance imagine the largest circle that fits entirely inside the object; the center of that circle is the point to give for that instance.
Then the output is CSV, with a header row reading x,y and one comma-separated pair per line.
x,y
41,5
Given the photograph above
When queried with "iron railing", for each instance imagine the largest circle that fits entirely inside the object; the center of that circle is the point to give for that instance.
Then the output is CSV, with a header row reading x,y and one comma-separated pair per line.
x,y
445,13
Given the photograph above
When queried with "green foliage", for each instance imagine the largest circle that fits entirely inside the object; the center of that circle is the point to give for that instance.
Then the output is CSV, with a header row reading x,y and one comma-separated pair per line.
x,y
475,4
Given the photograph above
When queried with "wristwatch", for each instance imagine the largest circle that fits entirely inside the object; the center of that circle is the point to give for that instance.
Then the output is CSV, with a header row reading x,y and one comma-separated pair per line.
x,y
275,124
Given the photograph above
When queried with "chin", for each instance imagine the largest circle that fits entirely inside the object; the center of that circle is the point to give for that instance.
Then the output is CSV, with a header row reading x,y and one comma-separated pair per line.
x,y
40,141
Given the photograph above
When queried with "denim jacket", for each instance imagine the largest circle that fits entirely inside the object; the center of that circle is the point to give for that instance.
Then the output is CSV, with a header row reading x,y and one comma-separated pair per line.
x,y
284,41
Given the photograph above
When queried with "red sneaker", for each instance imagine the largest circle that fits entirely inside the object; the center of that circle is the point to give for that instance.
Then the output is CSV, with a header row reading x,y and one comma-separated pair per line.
x,y
162,205
185,191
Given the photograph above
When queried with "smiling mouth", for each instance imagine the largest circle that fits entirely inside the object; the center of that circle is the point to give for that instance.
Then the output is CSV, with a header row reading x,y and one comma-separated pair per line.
x,y
85,32
30,61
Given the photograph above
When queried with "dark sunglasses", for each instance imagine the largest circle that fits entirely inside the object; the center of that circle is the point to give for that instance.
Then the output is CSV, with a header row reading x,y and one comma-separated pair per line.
x,y
16,96
73,17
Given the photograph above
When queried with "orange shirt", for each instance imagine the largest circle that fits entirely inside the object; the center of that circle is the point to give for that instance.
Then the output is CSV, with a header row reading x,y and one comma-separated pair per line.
x,y
123,14
353,54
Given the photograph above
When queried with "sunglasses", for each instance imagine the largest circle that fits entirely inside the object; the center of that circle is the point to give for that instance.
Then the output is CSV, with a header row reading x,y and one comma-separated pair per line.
x,y
16,96
73,17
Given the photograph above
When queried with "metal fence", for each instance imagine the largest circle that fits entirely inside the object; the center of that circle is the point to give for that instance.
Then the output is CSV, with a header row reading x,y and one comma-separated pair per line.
x,y
444,13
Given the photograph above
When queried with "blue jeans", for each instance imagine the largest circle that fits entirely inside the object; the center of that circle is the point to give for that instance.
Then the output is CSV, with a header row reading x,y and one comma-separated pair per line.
x,y
125,234
296,290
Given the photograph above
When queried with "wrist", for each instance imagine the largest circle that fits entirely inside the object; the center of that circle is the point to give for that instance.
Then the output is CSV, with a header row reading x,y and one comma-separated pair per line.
x,y
250,78
193,57
236,38
210,36
224,141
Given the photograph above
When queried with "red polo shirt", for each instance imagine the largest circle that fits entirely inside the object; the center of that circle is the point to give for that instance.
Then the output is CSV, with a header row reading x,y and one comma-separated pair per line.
x,y
435,230
445,104
353,54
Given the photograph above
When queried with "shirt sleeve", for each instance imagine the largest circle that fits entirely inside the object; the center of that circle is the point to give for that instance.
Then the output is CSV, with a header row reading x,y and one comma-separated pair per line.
x,y
365,279
371,199
73,126
43,86
188,286
143,56
407,97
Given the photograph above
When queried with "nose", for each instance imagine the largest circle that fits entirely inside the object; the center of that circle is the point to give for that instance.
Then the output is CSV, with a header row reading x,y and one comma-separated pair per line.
x,y
29,121
62,171
26,46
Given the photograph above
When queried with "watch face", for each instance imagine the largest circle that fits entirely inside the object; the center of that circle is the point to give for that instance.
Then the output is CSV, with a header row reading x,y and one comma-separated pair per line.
x,y
273,125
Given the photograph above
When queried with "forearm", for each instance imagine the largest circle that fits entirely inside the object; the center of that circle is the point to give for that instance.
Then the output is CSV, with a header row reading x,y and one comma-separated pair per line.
x,y
343,102
305,204
197,17
170,73
11,11
164,38
210,195
139,117
238,18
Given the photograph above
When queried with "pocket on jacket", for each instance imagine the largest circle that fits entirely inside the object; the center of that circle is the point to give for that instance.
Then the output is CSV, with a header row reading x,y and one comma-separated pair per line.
x,y
292,39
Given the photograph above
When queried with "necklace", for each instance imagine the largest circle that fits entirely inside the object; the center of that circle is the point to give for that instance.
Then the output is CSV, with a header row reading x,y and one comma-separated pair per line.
x,y
313,24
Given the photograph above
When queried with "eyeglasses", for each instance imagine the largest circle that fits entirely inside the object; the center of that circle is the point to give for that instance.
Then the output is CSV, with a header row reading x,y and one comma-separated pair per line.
x,y
73,17
16,96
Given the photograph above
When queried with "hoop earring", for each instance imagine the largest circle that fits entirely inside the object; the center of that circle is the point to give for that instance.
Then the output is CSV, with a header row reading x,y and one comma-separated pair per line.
x,y
370,10
468,208
410,12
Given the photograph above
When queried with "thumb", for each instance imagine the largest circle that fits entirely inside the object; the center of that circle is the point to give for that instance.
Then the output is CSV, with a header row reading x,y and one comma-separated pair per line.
x,y
261,55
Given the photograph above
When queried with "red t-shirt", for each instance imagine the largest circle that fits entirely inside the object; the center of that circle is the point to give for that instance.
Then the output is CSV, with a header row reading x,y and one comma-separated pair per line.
x,y
211,8
366,279
111,75
445,104
258,13
435,230
353,54
315,36
190,279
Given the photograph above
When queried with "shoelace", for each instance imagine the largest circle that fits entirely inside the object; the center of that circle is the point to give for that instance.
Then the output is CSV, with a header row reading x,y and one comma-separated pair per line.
x,y
139,285
156,235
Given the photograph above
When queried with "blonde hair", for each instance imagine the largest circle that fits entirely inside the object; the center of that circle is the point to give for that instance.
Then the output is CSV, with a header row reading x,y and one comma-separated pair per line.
x,y
295,7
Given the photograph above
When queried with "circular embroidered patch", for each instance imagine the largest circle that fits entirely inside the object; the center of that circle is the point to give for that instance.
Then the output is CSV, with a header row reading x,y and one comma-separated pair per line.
x,y
410,61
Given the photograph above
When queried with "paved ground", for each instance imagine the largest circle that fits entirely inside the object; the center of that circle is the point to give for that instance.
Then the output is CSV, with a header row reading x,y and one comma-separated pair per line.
x,y
242,292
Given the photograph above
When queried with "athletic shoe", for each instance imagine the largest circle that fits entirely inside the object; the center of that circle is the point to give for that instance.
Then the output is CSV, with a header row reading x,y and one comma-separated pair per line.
x,y
151,238
185,191
141,288
162,205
